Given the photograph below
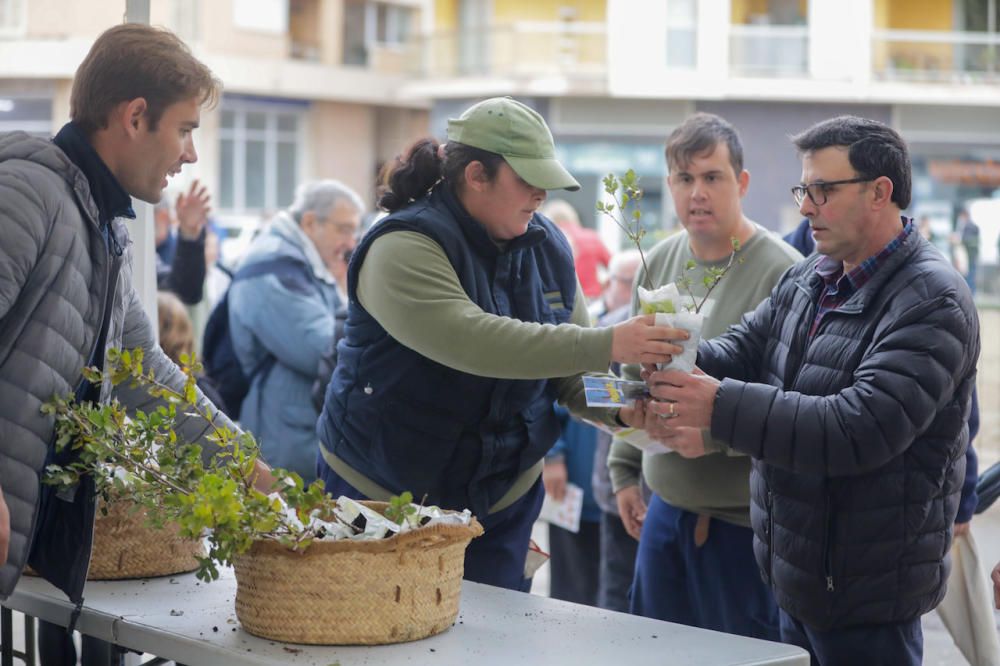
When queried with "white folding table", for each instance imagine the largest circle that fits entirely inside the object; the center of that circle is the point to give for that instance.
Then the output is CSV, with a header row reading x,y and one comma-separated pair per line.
x,y
183,619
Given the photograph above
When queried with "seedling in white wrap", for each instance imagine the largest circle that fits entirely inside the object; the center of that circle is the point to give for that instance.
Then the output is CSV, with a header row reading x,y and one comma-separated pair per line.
x,y
674,309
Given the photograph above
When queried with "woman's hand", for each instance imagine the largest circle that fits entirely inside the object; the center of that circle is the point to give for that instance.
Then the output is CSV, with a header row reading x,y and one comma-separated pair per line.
x,y
639,340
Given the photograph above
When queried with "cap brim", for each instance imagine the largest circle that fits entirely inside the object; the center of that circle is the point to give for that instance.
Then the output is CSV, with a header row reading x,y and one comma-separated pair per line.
x,y
546,174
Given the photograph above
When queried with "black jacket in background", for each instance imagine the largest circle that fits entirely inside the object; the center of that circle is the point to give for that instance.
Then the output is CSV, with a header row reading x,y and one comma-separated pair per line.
x,y
185,275
858,435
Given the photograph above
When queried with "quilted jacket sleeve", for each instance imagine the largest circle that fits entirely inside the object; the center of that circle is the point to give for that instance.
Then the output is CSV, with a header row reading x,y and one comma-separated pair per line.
x,y
913,368
737,353
23,233
139,333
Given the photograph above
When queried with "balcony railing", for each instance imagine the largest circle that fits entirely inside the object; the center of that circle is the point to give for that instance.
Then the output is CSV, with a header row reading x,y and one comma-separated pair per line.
x,y
522,48
936,56
769,50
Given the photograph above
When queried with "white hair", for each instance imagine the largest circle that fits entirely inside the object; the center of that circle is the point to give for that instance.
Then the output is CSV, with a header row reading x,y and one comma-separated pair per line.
x,y
320,196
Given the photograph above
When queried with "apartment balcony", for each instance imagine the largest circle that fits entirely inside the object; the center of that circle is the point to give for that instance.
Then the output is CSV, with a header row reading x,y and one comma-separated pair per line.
x,y
572,55
768,51
930,56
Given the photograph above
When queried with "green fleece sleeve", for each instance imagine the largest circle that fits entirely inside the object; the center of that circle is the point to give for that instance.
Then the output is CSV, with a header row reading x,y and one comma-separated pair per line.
x,y
624,464
408,285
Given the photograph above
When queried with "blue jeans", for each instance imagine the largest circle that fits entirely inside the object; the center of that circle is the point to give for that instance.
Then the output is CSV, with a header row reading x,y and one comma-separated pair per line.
x,y
497,557
900,644
713,586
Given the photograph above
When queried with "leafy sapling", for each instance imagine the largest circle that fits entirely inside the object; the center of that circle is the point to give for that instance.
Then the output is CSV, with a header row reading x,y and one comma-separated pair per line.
x,y
619,212
167,477
710,280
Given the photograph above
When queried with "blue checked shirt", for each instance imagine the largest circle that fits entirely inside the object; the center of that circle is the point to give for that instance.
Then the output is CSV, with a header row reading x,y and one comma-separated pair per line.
x,y
841,286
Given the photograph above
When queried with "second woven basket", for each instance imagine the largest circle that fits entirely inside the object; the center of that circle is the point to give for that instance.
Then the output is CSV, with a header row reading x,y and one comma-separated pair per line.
x,y
125,547
391,590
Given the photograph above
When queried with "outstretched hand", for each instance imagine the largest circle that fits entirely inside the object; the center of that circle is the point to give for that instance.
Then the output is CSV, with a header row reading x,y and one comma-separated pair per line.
x,y
640,340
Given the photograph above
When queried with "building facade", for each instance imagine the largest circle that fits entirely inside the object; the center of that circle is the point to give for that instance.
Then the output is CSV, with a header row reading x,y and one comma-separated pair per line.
x,y
312,87
333,88
614,77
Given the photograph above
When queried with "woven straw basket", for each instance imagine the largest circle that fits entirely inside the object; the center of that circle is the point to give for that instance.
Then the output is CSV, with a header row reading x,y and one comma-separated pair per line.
x,y
125,547
392,590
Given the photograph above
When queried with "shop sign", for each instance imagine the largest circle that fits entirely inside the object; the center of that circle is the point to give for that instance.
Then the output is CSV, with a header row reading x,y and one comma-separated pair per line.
x,y
965,172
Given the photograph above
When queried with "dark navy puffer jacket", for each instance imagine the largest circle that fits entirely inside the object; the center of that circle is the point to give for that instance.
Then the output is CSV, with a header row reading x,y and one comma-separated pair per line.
x,y
858,435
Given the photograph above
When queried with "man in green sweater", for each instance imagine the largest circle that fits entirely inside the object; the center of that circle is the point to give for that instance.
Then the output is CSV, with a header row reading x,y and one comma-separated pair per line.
x,y
695,563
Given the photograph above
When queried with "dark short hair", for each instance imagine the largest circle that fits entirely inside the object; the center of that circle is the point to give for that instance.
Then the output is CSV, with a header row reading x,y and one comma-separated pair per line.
x,y
700,134
133,60
873,149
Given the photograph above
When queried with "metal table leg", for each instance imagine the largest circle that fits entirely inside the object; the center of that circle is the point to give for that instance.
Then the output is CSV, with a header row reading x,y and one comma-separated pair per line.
x,y
6,637
29,640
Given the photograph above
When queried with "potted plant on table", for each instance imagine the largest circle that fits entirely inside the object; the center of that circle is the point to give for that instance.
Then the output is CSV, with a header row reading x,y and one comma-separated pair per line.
x,y
309,568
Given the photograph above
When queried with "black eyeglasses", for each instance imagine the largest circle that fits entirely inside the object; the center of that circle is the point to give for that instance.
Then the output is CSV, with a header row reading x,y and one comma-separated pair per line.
x,y
819,191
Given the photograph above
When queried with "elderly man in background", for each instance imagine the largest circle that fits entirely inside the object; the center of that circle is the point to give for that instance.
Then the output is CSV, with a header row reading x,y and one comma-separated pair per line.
x,y
282,317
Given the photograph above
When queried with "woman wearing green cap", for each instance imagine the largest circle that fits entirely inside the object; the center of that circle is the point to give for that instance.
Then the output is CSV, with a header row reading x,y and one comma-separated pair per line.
x,y
463,306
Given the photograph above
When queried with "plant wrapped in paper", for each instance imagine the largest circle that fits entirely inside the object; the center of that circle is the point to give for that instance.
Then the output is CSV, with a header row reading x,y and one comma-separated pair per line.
x,y
674,304
309,568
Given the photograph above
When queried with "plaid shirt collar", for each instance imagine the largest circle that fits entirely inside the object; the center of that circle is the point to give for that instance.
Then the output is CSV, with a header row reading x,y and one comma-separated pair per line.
x,y
832,271
839,287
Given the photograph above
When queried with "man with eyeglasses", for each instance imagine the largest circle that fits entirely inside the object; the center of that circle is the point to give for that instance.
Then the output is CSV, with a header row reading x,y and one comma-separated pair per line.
x,y
849,387
695,561
283,307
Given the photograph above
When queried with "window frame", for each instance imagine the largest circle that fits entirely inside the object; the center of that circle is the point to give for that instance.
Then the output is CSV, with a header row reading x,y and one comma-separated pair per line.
x,y
240,135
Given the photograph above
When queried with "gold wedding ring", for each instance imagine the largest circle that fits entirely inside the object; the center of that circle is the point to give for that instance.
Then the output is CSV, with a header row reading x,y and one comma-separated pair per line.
x,y
672,412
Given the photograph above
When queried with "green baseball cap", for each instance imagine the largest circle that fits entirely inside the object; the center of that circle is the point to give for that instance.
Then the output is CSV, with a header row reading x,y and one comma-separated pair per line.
x,y
505,126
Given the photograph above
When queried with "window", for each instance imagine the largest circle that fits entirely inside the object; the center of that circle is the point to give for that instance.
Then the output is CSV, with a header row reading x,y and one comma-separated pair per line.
x,y
979,15
267,16
769,38
259,154
374,24
13,18
392,24
26,113
682,34
355,46
185,20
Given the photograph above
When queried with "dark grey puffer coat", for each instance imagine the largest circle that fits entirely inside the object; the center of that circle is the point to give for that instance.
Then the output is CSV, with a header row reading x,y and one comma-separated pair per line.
x,y
57,278
858,435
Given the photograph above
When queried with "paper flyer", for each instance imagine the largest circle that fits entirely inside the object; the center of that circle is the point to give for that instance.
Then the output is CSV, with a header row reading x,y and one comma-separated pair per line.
x,y
634,436
605,391
565,513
